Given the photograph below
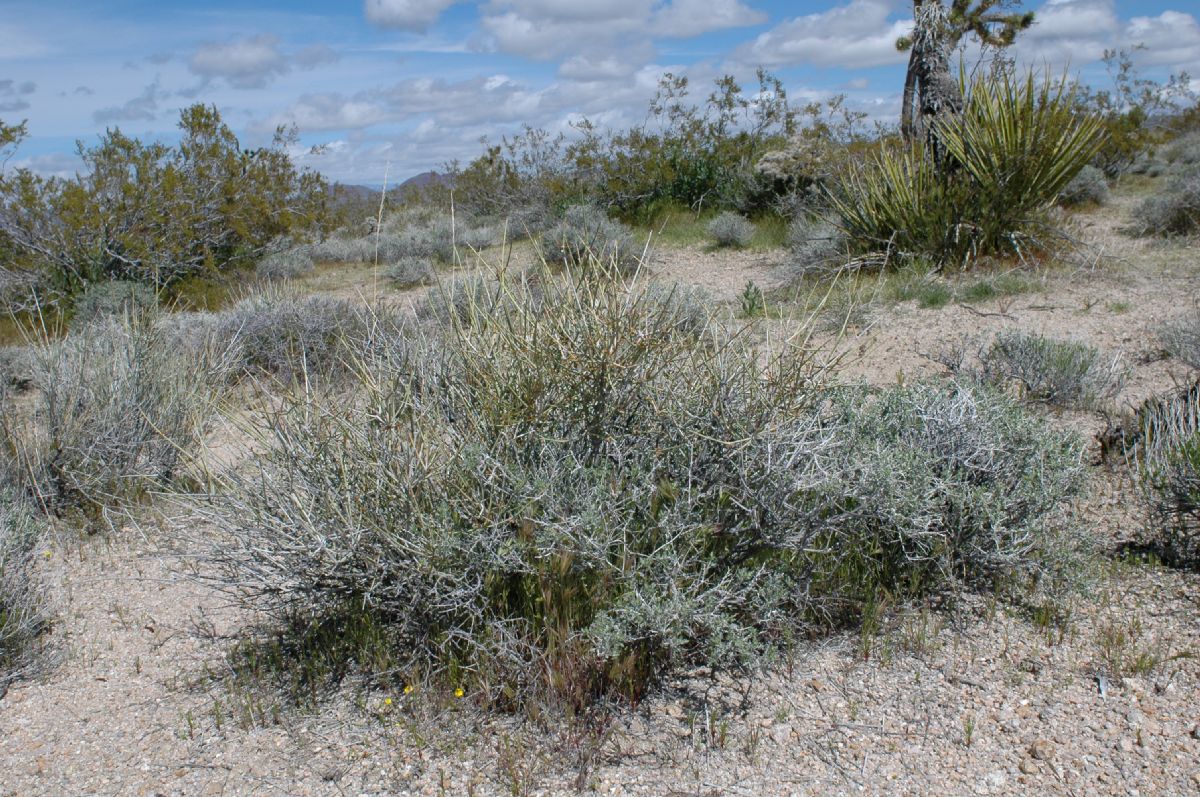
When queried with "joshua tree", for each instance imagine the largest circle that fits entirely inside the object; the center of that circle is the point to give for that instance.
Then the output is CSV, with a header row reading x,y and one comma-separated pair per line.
x,y
930,89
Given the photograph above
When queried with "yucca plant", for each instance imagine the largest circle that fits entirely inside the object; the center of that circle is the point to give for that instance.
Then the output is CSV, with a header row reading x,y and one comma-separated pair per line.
x,y
1021,141
1012,150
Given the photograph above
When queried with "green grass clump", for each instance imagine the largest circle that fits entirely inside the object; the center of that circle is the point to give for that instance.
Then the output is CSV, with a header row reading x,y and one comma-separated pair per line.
x,y
576,490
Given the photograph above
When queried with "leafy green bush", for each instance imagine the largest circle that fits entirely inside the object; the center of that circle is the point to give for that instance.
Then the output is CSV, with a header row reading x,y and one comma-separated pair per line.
x,y
1014,148
112,298
22,600
576,495
1168,459
1175,210
116,409
1061,373
731,229
1089,187
158,213
1181,338
587,238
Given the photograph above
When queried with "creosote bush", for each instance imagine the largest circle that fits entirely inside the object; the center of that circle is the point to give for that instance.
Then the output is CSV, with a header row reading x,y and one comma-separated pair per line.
x,y
22,599
731,229
1168,464
571,492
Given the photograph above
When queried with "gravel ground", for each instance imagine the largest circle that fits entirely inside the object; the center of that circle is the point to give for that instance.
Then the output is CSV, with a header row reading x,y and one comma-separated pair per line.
x,y
980,698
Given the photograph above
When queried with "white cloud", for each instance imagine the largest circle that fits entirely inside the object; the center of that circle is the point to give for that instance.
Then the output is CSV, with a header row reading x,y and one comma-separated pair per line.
x,y
1069,31
315,55
686,18
1171,39
248,63
860,34
415,15
142,108
13,95
1076,32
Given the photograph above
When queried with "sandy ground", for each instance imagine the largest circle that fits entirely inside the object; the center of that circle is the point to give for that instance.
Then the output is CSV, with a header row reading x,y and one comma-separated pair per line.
x,y
978,700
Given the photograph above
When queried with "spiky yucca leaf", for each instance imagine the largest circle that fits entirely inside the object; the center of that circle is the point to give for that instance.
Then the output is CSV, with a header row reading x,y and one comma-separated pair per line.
x,y
1017,143
1021,142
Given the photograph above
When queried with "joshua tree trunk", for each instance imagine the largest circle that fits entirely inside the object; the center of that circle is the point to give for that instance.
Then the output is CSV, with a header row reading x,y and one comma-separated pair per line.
x,y
930,92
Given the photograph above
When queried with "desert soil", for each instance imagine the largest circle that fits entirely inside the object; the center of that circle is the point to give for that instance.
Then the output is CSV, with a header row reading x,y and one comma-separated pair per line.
x,y
978,699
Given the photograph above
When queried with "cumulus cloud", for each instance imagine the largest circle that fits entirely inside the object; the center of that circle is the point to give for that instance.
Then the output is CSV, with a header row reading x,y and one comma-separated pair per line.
x,y
860,34
686,18
315,55
1075,32
1171,39
414,15
249,63
142,108
255,61
1069,31
13,95
548,29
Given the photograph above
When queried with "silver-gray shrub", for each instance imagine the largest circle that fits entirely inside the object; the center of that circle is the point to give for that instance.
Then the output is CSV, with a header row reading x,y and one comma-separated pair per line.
x,y
1167,460
945,483
1056,372
23,616
1183,152
1181,338
16,369
1088,187
586,238
581,494
816,245
1173,210
410,272
112,298
287,335
341,249
293,262
731,229
115,410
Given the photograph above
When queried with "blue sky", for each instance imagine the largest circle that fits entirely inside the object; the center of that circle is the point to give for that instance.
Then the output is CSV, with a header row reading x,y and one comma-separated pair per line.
x,y
407,85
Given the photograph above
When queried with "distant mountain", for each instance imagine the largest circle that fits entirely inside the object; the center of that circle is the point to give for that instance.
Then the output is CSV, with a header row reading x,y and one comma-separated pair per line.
x,y
426,178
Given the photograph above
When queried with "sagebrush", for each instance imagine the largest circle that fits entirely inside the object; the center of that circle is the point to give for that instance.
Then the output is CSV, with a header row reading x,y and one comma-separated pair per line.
x,y
573,491
23,615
